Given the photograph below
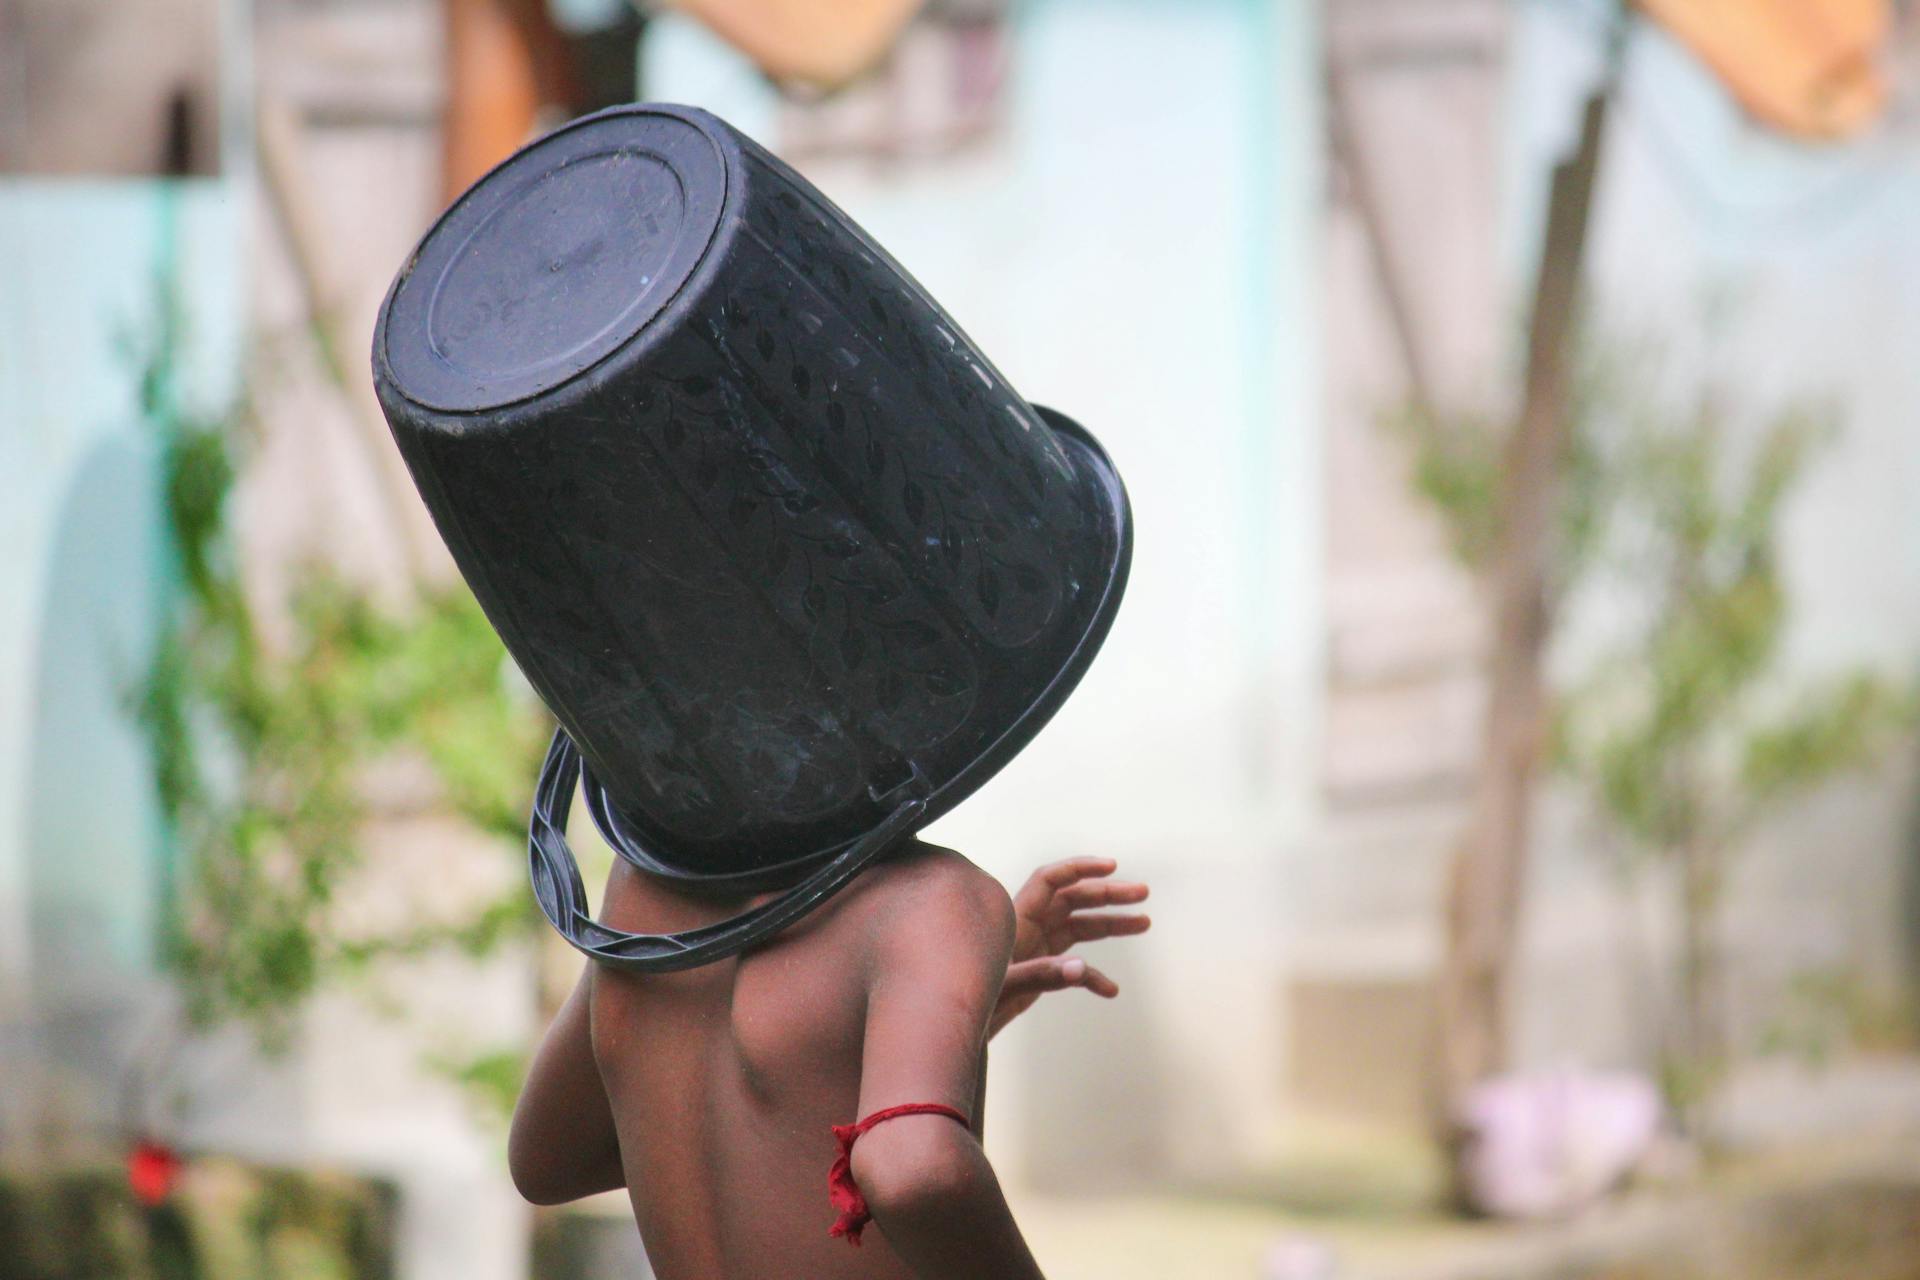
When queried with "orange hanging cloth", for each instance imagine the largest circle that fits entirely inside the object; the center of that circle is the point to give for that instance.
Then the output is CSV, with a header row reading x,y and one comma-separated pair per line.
x,y
1807,68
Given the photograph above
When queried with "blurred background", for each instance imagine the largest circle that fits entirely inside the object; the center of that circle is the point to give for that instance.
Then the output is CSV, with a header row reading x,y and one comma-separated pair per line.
x,y
1512,708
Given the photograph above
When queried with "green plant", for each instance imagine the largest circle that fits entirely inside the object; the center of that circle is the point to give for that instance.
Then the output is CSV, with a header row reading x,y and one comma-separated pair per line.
x,y
1689,736
1456,460
223,1221
260,752
1828,1007
1686,736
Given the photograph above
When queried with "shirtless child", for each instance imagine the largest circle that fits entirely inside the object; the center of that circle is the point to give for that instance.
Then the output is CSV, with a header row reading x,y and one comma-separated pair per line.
x,y
796,571
710,1094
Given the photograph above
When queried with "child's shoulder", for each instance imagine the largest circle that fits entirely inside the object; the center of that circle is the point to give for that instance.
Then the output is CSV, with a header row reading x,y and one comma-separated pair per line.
x,y
932,886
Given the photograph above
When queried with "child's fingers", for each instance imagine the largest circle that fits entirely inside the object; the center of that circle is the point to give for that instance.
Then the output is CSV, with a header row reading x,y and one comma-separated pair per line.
x,y
1089,928
1049,973
1103,893
1058,875
1056,973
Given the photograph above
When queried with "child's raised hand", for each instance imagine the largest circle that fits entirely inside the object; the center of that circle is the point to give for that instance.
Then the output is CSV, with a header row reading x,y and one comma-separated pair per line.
x,y
1062,904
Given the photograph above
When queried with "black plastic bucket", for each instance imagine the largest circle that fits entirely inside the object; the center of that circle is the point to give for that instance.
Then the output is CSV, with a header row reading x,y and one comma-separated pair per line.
x,y
791,563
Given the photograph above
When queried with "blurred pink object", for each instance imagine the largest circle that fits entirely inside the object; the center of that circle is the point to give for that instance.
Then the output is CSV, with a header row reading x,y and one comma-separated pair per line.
x,y
1549,1143
1299,1258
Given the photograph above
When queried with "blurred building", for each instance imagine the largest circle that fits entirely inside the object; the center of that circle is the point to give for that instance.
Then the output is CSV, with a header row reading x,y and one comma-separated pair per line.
x,y
1228,236
89,231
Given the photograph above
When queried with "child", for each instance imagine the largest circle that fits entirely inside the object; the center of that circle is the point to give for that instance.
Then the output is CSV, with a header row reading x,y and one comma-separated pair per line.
x,y
711,1094
797,571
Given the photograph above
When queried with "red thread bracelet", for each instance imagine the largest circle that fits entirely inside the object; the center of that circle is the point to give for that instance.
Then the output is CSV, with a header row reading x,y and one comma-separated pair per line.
x,y
842,1189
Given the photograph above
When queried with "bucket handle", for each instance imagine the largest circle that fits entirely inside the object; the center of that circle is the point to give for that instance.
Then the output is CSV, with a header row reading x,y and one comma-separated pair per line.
x,y
563,898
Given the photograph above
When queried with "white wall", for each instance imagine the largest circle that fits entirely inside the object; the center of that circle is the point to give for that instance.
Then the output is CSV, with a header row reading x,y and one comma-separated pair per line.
x,y
82,575
1138,252
1794,267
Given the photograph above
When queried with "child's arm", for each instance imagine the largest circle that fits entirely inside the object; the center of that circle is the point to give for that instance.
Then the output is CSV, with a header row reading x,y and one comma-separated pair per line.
x,y
563,1144
925,1178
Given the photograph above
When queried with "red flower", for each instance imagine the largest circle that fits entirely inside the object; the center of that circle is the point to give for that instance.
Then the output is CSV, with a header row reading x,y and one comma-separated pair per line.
x,y
152,1170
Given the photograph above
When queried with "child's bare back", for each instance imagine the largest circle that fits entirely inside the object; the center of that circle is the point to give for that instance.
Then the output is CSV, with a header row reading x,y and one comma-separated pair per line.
x,y
726,1080
723,1082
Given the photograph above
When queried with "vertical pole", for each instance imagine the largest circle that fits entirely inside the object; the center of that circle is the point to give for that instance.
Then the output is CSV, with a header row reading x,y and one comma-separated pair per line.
x,y
1487,878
